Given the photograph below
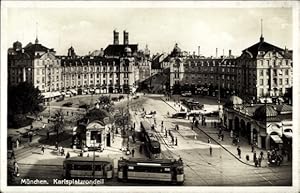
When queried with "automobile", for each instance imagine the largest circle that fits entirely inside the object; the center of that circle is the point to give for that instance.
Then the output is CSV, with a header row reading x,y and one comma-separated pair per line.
x,y
114,98
97,91
68,104
61,98
135,97
186,94
121,97
179,115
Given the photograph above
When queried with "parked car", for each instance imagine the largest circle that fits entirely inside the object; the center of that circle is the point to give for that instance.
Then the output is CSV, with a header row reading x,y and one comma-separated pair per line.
x,y
186,94
135,97
68,104
180,115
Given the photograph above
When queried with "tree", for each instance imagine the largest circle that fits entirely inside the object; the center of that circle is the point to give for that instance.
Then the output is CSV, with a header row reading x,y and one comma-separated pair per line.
x,y
96,114
24,98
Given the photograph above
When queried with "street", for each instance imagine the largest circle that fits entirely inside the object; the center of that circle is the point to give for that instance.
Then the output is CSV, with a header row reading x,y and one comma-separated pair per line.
x,y
221,168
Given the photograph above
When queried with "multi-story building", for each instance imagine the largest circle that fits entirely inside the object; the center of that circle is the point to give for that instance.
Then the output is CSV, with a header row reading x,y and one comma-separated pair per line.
x,y
200,74
264,70
36,64
118,68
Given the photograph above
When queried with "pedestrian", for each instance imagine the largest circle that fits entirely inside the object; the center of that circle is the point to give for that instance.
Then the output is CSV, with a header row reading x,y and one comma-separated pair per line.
x,y
231,133
81,153
30,136
268,154
166,133
172,140
68,155
133,138
262,155
132,152
16,169
194,119
208,140
12,156
62,151
254,156
256,163
252,147
239,151
259,161
210,150
192,127
56,145
247,157
222,137
43,149
176,141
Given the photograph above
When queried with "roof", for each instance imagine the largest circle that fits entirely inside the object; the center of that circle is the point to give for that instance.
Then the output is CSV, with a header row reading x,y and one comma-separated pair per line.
x,y
84,159
119,50
262,46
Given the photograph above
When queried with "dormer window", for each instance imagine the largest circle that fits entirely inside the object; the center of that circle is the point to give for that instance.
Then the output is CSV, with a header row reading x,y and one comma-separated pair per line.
x,y
261,52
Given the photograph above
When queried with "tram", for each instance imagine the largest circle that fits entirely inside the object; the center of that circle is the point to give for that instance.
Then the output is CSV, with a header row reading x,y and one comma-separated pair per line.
x,y
164,170
152,146
87,167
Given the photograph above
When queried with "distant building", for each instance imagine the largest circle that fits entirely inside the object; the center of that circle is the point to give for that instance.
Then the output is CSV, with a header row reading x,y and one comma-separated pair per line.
x,y
116,69
264,70
35,64
267,125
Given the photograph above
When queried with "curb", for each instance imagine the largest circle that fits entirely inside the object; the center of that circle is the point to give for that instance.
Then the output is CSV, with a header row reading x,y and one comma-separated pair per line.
x,y
216,141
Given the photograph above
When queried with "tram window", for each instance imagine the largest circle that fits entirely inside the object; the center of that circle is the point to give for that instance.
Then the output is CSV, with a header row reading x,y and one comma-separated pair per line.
x,y
130,167
98,167
82,167
167,169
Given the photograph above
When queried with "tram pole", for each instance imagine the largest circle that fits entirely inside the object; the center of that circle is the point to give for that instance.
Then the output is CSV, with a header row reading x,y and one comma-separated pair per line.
x,y
93,165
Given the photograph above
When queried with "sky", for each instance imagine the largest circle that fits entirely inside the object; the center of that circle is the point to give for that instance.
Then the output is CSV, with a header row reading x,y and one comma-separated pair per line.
x,y
88,29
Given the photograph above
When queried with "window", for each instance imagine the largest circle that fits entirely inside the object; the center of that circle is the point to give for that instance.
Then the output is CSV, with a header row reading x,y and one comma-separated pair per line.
x,y
57,78
97,75
43,79
43,71
286,81
275,72
261,72
261,82
85,76
280,81
78,76
110,75
91,75
38,71
104,75
287,72
37,81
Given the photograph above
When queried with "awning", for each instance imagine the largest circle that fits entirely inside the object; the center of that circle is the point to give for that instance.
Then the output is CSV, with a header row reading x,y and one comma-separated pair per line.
x,y
276,139
51,94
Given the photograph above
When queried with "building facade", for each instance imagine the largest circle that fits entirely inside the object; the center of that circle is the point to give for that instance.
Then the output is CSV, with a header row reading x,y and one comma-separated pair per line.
x,y
266,125
116,69
35,64
263,70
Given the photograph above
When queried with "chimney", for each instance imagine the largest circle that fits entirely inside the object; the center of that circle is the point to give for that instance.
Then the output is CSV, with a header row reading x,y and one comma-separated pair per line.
x,y
216,52
198,50
126,37
116,37
229,53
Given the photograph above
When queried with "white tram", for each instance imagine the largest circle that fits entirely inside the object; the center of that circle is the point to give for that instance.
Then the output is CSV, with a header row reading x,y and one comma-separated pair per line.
x,y
88,167
166,170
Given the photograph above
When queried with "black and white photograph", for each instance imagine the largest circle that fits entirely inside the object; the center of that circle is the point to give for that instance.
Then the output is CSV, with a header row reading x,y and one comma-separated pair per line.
x,y
174,96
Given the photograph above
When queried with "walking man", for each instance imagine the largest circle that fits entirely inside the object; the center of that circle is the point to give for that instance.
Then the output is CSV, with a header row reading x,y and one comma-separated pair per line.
x,y
262,155
254,156
210,150
252,147
132,152
176,141
239,151
208,141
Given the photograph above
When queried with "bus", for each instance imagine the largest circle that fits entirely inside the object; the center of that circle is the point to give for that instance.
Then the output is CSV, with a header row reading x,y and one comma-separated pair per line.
x,y
162,170
152,145
87,167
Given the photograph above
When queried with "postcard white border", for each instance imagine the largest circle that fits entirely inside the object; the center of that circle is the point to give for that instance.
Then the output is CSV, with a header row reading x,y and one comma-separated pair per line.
x,y
152,4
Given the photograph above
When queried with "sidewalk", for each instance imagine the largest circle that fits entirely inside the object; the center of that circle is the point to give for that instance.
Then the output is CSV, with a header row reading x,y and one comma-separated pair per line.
x,y
227,145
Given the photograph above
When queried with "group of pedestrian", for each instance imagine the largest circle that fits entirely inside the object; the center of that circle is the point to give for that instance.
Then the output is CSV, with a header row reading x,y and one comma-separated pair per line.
x,y
61,151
